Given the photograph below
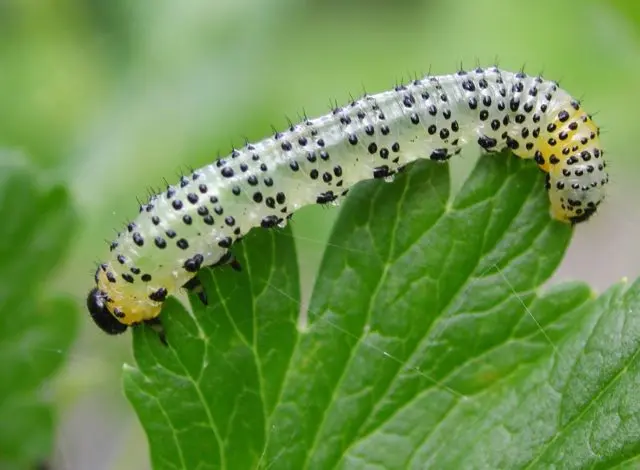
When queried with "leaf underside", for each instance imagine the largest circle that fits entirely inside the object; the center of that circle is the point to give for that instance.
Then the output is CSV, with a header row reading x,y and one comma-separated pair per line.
x,y
429,343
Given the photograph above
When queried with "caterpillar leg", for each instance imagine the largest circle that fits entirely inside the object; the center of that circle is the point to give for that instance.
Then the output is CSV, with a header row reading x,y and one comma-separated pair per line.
x,y
228,259
194,286
156,325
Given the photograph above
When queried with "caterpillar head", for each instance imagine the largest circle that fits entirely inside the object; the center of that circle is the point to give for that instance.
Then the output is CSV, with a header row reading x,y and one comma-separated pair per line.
x,y
97,306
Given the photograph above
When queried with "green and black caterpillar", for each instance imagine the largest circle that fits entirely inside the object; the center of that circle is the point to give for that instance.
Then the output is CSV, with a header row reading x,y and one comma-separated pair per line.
x,y
195,223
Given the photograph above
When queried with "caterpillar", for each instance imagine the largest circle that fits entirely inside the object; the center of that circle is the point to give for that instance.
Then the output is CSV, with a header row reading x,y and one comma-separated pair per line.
x,y
195,222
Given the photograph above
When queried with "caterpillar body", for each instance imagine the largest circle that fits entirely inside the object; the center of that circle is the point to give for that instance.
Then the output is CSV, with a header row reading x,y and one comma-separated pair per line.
x,y
195,223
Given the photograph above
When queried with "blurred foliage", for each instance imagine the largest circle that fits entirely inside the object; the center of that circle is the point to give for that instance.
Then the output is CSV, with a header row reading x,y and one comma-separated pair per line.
x,y
36,329
112,96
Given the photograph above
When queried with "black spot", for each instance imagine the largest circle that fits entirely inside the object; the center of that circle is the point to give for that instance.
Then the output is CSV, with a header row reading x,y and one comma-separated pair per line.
x,y
137,239
384,153
432,129
225,242
202,211
230,221
236,190
218,210
268,181
337,170
177,204
269,221
121,259
384,129
324,155
280,198
444,133
487,142
484,114
131,226
208,220
326,197
415,119
495,124
159,296
473,103
127,277
193,264
513,144
468,85
146,277
313,174
187,219
563,116
381,171
439,155
294,165
182,244
353,139
302,141
286,146
395,147
160,242
373,148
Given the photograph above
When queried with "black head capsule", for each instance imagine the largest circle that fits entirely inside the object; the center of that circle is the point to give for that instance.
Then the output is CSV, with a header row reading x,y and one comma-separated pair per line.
x,y
97,306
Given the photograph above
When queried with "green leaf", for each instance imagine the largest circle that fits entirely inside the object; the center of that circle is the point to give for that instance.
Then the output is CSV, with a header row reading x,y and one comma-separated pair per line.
x,y
429,343
35,330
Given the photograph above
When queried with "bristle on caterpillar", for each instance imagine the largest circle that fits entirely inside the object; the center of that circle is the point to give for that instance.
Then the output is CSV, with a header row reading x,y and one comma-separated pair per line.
x,y
195,222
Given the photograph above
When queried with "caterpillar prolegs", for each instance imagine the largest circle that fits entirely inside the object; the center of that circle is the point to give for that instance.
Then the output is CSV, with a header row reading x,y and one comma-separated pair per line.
x,y
195,223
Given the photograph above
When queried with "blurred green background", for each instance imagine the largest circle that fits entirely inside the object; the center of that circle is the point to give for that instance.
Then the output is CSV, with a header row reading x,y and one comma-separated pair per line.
x,y
109,97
